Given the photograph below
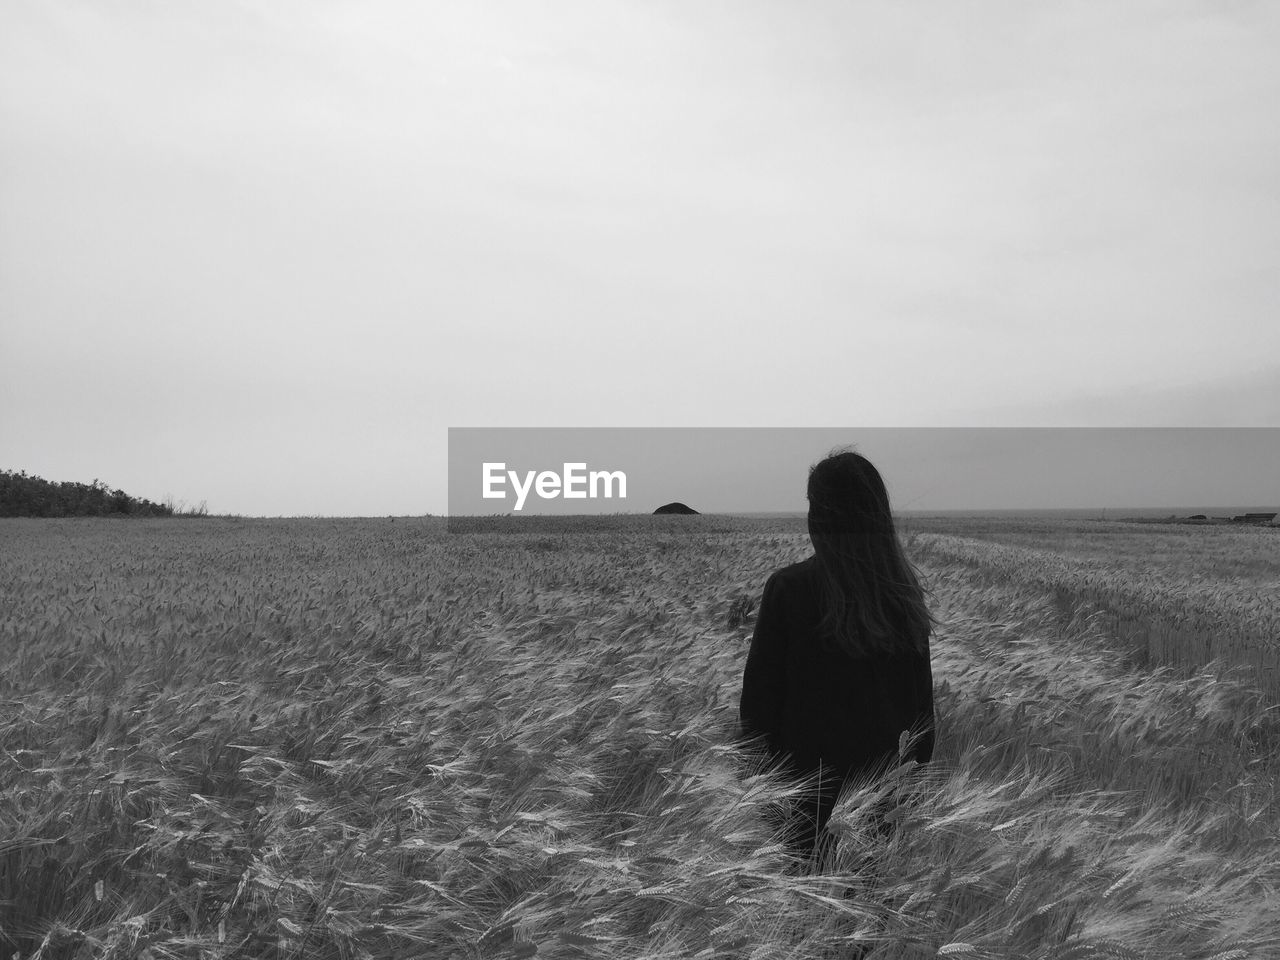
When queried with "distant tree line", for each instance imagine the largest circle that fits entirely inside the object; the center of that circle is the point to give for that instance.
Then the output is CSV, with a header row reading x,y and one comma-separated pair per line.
x,y
22,495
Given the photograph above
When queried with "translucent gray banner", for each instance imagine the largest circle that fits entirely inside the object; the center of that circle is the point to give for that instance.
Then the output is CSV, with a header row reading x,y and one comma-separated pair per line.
x,y
571,471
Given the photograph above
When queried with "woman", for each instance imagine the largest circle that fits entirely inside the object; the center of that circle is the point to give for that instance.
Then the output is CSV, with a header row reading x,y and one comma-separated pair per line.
x,y
839,662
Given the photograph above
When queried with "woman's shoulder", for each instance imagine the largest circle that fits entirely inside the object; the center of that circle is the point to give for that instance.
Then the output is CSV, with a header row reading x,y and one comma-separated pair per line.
x,y
801,570
794,575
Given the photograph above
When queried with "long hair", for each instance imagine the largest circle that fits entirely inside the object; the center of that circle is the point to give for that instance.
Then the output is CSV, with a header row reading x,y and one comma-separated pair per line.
x,y
870,595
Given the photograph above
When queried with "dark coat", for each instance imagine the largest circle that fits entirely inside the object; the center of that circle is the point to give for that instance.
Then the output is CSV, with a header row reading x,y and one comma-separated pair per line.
x,y
814,705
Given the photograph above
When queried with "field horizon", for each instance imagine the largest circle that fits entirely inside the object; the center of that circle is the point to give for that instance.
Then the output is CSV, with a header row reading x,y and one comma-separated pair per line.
x,y
1111,514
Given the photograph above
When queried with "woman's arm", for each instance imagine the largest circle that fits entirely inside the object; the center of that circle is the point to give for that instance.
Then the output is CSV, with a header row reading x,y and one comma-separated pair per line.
x,y
764,678
924,751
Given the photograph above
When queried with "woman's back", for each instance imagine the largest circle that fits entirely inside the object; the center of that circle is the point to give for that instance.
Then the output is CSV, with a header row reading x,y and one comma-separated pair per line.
x,y
816,703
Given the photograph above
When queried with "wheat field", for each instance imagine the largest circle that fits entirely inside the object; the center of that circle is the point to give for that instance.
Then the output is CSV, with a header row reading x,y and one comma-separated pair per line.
x,y
364,739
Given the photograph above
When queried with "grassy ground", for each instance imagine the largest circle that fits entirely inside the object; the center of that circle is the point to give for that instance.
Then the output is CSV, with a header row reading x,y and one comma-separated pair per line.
x,y
1170,595
365,739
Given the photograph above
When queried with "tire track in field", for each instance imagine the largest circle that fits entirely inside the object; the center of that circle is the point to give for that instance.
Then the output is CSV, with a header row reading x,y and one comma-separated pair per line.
x,y
1035,687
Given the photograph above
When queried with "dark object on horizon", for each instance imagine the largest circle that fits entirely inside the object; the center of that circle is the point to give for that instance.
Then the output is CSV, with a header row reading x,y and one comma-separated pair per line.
x,y
1254,518
675,507
1197,516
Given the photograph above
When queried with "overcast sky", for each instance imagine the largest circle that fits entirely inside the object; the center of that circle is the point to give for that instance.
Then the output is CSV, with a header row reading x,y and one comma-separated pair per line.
x,y
265,254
